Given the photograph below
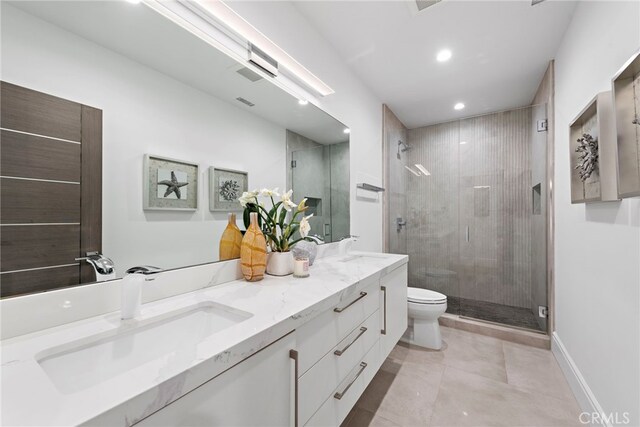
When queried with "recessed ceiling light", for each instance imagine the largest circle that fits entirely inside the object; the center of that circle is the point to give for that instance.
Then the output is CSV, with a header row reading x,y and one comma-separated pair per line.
x,y
302,102
444,55
423,169
346,130
463,142
458,106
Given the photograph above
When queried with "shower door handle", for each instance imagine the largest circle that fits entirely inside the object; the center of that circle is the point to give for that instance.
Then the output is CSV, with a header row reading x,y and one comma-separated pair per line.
x,y
466,234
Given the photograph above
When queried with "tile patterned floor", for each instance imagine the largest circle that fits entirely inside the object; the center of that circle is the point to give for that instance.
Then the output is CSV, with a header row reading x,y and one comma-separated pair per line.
x,y
474,381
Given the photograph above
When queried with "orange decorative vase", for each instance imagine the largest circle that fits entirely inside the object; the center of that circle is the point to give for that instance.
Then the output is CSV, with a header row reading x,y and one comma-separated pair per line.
x,y
231,240
253,252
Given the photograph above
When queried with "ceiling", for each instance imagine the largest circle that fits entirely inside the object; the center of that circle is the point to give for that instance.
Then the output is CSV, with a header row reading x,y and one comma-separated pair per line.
x,y
501,50
141,34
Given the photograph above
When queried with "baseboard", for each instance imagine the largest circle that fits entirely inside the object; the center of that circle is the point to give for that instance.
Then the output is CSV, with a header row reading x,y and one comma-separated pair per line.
x,y
581,390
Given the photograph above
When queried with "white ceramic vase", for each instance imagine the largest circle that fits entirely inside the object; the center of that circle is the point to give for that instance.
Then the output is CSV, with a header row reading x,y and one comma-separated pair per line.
x,y
280,264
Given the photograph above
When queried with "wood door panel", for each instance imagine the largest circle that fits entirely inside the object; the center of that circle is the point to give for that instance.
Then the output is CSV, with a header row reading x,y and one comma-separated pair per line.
x,y
32,246
25,202
35,112
31,156
48,144
25,282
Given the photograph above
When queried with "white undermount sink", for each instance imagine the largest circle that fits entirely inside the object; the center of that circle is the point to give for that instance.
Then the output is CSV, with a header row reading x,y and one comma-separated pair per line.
x,y
355,257
173,336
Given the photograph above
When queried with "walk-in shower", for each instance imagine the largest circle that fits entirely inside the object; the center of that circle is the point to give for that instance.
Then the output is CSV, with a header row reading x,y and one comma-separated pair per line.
x,y
474,225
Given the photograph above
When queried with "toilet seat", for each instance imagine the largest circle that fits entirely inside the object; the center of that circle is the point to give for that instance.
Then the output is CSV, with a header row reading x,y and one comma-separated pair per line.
x,y
425,296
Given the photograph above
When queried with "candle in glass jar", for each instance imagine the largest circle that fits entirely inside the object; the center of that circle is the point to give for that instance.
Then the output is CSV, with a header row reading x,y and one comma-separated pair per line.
x,y
301,267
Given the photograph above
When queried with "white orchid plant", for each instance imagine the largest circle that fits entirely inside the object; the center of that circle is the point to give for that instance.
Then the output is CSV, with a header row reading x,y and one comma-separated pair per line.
x,y
279,223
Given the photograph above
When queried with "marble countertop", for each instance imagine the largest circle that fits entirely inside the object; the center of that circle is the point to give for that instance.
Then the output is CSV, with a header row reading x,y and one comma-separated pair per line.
x,y
278,305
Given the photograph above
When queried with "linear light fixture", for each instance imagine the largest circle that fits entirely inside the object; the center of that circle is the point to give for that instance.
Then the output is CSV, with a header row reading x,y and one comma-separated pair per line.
x,y
204,19
423,169
416,173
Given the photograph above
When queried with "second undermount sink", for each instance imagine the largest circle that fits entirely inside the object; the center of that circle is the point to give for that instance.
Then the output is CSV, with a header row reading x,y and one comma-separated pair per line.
x,y
174,336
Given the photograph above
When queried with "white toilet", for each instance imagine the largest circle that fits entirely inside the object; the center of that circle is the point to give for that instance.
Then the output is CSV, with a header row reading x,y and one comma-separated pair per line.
x,y
425,307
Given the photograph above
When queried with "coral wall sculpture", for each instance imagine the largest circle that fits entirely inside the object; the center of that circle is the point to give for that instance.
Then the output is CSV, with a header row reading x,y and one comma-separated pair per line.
x,y
588,152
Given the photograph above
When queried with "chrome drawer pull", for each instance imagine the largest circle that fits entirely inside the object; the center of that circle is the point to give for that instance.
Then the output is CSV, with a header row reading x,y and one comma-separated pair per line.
x,y
339,352
339,395
384,328
293,354
340,310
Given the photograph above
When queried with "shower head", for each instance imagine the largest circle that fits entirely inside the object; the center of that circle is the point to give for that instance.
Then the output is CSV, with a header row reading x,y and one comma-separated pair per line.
x,y
405,147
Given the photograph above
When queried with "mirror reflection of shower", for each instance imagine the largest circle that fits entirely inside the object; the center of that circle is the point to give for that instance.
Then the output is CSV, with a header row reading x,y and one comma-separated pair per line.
x,y
402,147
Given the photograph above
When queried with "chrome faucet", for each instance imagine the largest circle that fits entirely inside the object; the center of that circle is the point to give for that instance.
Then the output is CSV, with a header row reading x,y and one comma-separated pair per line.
x,y
102,266
318,240
345,244
132,289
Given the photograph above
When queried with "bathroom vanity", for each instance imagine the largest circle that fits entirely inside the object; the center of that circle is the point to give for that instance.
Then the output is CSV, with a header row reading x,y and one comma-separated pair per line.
x,y
283,351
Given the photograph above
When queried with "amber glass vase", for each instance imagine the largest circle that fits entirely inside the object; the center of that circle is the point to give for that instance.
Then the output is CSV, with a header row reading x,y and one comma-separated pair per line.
x,y
231,240
253,252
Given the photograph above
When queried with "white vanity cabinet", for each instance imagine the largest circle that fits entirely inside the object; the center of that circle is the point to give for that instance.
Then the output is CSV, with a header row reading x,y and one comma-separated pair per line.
x,y
341,350
314,375
256,392
393,307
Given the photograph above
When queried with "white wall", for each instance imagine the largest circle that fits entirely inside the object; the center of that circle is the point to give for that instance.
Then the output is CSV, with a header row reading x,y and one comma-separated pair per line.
x,y
597,258
352,103
144,112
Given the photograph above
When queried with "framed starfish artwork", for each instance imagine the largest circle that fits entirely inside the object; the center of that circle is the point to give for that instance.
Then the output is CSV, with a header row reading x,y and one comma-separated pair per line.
x,y
170,184
225,186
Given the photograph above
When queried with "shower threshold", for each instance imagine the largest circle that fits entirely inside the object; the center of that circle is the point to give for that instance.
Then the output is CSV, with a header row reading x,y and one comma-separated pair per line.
x,y
517,317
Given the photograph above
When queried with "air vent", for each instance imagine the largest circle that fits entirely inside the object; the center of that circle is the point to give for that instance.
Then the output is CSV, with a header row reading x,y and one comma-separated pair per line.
x,y
248,74
244,101
423,4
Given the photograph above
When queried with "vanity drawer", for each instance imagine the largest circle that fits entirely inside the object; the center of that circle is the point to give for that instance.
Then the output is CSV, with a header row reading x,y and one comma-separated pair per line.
x,y
321,334
343,398
320,381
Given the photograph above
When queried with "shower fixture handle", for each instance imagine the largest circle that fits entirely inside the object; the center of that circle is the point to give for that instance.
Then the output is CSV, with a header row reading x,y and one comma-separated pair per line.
x,y
400,223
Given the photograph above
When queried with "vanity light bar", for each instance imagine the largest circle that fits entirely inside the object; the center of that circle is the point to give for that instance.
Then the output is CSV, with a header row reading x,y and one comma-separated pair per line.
x,y
204,19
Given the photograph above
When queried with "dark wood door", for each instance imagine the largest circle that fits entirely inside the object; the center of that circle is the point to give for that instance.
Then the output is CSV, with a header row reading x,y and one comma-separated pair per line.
x,y
50,190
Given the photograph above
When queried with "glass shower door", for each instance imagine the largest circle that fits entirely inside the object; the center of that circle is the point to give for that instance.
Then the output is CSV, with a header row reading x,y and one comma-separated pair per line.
x,y
500,256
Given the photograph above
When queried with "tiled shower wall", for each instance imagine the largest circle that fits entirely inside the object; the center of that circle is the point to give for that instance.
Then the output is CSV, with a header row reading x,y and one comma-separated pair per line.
x,y
433,229
480,178
396,179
